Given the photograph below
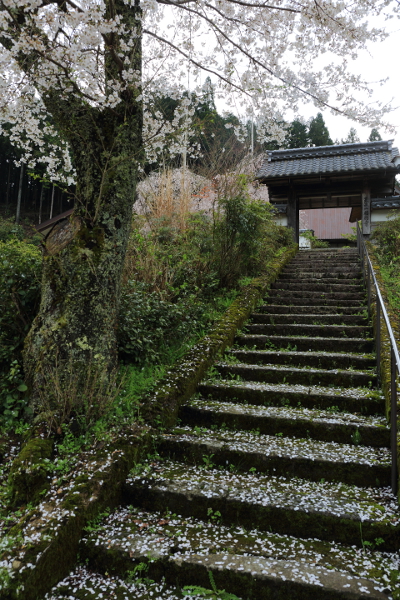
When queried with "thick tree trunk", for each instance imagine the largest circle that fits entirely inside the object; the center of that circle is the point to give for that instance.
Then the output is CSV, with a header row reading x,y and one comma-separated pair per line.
x,y
71,350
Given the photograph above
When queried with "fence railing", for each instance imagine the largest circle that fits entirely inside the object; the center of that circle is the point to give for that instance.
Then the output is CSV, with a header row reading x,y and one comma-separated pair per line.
x,y
369,280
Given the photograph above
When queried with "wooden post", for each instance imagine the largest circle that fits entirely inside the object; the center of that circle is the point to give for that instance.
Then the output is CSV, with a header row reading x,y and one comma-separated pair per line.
x,y
293,213
41,203
52,202
366,209
21,177
8,186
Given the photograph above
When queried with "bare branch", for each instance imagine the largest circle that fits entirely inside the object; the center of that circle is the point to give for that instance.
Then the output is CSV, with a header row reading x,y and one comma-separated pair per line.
x,y
257,62
247,4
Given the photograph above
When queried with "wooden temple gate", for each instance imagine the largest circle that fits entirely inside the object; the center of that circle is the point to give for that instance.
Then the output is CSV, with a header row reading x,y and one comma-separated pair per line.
x,y
361,176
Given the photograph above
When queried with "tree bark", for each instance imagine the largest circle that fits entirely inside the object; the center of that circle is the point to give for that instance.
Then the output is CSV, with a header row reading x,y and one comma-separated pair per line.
x,y
75,330
71,351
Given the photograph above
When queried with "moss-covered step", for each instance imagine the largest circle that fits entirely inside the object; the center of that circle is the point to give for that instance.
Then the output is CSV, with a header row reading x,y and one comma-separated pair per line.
x,y
312,319
166,545
280,455
321,360
283,374
317,286
316,309
308,329
313,257
329,511
366,401
41,546
316,295
302,274
316,253
323,266
85,584
288,300
327,426
281,342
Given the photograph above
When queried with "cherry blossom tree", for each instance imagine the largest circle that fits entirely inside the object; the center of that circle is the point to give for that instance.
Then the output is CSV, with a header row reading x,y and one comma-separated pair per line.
x,y
85,72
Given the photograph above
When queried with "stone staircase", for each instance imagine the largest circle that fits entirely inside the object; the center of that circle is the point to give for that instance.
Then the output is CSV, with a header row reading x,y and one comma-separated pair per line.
x,y
275,483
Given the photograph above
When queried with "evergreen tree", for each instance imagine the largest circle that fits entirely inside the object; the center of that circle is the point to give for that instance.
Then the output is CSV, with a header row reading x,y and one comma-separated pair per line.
x,y
298,135
318,132
352,137
374,136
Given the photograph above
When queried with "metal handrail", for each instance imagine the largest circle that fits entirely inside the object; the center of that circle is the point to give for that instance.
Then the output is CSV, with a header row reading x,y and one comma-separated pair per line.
x,y
368,275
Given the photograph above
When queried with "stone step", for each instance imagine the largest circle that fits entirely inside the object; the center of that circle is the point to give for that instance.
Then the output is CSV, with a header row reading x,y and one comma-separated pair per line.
x,y
290,374
253,564
297,307
279,455
357,400
327,511
329,256
328,260
341,251
312,319
326,426
336,304
245,575
323,265
319,360
349,277
90,584
274,294
316,286
308,329
333,251
332,344
323,270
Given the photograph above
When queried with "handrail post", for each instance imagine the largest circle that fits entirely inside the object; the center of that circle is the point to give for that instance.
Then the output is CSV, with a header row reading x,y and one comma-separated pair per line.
x,y
378,340
369,290
393,421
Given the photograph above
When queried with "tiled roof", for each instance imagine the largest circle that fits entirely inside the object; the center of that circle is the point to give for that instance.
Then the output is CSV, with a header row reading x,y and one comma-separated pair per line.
x,y
344,158
391,202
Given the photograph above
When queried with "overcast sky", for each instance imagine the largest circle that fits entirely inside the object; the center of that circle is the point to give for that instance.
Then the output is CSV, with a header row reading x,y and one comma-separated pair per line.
x,y
381,63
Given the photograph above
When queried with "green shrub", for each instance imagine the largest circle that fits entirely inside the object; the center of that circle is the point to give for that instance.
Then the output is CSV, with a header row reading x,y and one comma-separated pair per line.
x,y
148,324
245,237
387,237
315,242
20,272
10,230
210,254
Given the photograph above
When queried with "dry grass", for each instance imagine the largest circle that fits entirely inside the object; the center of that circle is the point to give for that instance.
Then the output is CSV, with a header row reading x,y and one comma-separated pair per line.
x,y
83,392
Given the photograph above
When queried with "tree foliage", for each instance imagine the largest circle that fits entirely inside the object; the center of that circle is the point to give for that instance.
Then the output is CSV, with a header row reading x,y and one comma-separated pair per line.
x,y
374,136
352,137
318,132
87,54
298,135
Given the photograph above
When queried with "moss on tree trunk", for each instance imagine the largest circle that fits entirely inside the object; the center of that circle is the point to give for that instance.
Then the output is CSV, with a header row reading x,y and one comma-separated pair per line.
x,y
71,350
